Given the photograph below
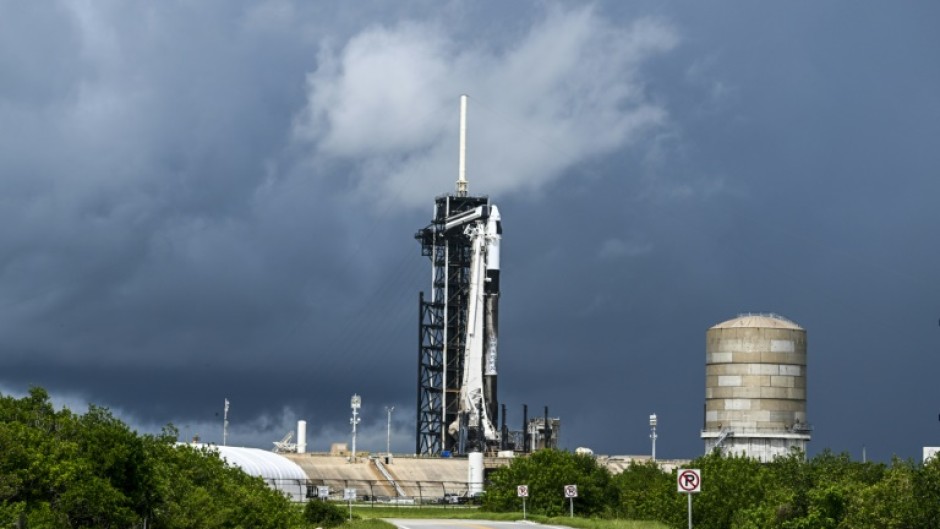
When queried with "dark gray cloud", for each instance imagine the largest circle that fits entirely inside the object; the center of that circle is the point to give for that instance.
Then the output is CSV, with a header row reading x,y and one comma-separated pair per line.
x,y
218,199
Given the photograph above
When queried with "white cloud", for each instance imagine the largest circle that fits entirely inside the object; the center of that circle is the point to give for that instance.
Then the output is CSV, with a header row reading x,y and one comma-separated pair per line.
x,y
567,90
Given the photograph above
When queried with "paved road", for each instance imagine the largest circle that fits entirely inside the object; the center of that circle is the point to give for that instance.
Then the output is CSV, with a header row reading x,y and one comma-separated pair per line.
x,y
403,523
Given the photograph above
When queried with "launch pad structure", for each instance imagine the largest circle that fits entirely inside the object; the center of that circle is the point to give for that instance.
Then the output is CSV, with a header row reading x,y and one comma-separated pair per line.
x,y
443,330
457,406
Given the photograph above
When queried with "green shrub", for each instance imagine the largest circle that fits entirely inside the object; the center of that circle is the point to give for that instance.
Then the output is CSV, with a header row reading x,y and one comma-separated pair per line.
x,y
546,473
324,513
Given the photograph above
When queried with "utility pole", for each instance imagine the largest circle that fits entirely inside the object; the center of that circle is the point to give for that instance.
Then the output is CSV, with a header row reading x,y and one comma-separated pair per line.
x,y
388,435
653,433
225,424
355,404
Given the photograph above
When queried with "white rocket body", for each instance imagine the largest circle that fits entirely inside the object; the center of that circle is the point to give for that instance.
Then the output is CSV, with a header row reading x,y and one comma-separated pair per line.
x,y
478,390
491,302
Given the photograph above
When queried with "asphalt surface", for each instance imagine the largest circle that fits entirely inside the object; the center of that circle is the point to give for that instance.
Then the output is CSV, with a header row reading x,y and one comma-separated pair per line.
x,y
403,523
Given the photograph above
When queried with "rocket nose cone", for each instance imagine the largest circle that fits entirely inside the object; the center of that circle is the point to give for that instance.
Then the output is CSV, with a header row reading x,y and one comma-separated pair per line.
x,y
494,214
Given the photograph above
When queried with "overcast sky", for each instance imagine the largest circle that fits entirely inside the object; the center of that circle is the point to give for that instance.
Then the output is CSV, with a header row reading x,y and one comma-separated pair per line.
x,y
217,199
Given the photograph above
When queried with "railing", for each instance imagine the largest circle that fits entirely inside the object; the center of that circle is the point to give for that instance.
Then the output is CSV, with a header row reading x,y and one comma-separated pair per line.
x,y
388,477
725,433
798,428
377,492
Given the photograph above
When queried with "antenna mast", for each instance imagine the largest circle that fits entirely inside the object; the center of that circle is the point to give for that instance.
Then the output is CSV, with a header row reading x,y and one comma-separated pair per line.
x,y
462,164
225,425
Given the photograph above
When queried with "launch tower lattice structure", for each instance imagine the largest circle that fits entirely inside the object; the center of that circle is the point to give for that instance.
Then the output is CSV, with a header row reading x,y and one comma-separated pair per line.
x,y
443,326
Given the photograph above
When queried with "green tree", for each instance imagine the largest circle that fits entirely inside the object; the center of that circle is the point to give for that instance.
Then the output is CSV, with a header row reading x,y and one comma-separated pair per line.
x,y
926,493
836,479
323,513
196,489
729,484
546,473
645,492
887,504
61,470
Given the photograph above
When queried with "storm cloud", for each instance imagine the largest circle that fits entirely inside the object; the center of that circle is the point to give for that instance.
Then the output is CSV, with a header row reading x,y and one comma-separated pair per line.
x,y
218,199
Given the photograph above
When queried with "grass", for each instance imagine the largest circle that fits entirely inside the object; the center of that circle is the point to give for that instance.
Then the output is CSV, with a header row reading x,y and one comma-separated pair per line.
x,y
372,514
366,523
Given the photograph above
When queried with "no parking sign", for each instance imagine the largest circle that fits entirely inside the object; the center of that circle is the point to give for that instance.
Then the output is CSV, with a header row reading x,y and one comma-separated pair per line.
x,y
690,480
523,492
571,492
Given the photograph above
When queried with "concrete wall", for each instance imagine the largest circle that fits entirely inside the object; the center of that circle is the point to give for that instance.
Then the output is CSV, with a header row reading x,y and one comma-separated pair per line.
x,y
764,449
418,477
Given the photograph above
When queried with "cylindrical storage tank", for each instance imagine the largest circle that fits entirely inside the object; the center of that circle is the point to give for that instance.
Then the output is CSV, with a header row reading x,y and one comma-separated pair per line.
x,y
475,473
755,386
301,437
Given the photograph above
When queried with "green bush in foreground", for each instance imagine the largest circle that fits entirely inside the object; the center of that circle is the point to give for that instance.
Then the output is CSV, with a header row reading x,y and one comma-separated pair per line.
x,y
324,514
546,473
828,491
63,470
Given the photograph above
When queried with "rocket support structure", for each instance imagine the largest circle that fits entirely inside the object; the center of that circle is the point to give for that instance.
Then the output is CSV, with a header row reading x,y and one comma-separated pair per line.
x,y
459,326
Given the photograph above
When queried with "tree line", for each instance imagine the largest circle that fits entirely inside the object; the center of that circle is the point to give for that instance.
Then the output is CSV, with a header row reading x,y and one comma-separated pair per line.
x,y
59,469
828,491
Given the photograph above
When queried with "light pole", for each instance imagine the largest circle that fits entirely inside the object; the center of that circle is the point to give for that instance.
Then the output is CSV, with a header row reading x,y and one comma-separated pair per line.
x,y
388,435
225,425
653,433
355,404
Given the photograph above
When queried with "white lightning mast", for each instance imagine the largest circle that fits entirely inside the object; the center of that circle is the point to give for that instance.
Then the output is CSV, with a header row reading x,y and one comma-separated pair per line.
x,y
462,163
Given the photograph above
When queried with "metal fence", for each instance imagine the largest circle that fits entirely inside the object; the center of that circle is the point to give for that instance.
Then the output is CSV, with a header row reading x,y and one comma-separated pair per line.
x,y
380,492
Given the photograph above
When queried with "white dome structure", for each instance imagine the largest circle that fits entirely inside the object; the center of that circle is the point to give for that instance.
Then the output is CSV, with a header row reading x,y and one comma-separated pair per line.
x,y
278,472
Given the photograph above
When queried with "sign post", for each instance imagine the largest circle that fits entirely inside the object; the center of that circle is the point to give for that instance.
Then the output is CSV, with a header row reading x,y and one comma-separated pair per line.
x,y
349,495
571,492
323,492
523,491
690,482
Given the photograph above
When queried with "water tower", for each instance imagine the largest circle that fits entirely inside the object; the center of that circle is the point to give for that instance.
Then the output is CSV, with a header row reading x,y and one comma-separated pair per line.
x,y
755,387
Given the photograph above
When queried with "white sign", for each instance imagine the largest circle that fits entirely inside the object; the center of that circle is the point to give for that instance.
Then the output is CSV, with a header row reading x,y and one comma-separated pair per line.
x,y
323,492
571,491
690,480
349,494
523,491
